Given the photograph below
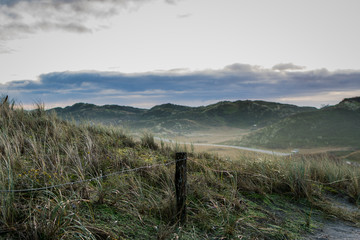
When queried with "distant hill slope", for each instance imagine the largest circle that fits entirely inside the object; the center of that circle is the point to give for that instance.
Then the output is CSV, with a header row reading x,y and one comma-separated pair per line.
x,y
107,114
242,114
337,125
248,113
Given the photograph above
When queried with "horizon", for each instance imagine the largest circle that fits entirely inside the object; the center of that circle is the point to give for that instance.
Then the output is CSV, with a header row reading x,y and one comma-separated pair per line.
x,y
143,53
34,105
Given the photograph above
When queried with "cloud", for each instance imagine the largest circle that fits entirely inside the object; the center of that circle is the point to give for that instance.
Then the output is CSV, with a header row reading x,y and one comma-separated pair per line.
x,y
172,2
5,50
19,18
236,81
319,99
287,66
187,15
14,30
239,67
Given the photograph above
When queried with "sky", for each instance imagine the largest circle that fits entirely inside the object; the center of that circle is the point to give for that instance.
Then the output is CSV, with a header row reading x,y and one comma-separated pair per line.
x,y
190,52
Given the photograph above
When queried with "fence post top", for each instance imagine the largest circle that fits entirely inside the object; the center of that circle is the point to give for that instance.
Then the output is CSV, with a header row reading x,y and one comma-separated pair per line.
x,y
180,155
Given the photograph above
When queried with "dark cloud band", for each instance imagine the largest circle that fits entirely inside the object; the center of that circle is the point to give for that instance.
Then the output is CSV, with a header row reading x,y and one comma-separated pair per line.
x,y
287,66
237,81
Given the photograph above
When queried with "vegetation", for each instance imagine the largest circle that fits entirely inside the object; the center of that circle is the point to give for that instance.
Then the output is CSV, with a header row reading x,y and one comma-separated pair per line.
x,y
329,127
255,197
170,117
277,125
107,114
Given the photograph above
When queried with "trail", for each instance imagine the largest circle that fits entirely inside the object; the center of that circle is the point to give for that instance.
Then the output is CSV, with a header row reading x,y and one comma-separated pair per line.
x,y
337,229
227,146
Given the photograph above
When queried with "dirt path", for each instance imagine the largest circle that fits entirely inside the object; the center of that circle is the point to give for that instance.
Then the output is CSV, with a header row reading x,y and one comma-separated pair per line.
x,y
337,229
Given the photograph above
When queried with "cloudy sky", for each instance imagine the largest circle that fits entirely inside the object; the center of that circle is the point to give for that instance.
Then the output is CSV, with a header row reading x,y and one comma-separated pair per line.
x,y
190,52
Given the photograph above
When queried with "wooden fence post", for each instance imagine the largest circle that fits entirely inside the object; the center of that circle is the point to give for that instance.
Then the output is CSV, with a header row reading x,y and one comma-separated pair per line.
x,y
180,186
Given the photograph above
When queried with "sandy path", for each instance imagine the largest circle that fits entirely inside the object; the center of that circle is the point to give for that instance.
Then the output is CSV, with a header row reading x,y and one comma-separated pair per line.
x,y
337,229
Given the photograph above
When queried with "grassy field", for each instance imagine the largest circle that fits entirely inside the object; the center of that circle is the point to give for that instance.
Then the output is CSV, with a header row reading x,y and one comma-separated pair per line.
x,y
352,156
233,136
251,197
336,126
212,135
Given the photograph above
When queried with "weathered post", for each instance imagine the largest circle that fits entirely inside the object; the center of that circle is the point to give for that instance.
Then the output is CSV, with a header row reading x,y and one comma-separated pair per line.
x,y
180,186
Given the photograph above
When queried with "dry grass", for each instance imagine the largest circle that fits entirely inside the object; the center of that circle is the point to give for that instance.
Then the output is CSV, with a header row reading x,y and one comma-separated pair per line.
x,y
37,149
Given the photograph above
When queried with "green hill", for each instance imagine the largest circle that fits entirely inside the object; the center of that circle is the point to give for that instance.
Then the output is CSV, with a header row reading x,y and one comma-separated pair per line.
x,y
242,114
107,114
247,113
334,126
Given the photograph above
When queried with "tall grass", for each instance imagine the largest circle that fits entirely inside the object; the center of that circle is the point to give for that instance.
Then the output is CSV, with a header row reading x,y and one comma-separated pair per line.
x,y
37,149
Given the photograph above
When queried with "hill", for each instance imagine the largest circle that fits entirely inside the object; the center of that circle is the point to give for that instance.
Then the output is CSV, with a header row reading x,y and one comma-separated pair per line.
x,y
331,126
59,180
241,114
107,114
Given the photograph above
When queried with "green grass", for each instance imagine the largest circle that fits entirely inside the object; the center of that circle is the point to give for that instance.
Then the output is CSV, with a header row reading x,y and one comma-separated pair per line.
x,y
254,197
329,127
352,156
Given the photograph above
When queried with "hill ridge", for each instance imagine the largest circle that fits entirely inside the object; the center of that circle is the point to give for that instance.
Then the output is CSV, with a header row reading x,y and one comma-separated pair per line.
x,y
240,113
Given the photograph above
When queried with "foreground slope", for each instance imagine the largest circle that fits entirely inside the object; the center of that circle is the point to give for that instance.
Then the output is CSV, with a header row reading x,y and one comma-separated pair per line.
x,y
63,181
334,126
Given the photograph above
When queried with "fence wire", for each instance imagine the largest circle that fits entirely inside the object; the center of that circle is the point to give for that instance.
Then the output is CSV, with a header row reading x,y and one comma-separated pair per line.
x,y
90,179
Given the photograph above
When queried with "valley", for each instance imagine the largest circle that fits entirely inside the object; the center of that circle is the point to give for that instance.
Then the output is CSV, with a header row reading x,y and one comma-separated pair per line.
x,y
255,124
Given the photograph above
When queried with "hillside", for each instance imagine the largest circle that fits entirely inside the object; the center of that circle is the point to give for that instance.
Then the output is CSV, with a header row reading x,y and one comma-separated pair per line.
x,y
59,180
107,114
334,126
241,114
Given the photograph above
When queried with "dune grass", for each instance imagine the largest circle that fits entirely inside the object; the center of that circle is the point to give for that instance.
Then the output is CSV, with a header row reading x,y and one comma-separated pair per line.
x,y
254,197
